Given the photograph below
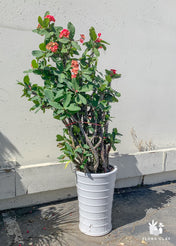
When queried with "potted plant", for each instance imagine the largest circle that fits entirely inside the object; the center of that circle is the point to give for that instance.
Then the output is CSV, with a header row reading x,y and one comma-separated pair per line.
x,y
79,96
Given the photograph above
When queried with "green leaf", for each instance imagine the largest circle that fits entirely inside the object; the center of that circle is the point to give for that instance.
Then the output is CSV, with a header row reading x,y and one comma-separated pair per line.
x,y
26,79
37,53
108,78
46,22
56,105
20,83
40,21
59,94
28,71
87,77
48,94
75,84
103,87
97,53
63,40
79,150
34,64
61,157
67,100
85,146
42,46
76,129
102,41
59,138
76,45
46,13
48,54
92,33
73,107
82,99
71,28
117,94
86,88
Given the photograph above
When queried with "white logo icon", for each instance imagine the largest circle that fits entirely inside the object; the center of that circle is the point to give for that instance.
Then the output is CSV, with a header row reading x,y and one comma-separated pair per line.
x,y
154,230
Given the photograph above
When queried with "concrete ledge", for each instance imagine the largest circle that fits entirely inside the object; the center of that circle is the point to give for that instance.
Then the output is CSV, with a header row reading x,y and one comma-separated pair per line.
x,y
40,183
38,198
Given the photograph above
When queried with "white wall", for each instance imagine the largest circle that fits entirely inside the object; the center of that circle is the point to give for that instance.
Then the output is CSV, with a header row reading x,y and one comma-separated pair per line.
x,y
142,34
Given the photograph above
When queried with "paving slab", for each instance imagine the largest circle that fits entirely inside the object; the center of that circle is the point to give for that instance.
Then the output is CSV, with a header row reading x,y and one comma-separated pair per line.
x,y
56,223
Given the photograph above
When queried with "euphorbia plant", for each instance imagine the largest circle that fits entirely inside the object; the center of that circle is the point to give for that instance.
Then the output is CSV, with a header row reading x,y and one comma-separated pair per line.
x,y
77,93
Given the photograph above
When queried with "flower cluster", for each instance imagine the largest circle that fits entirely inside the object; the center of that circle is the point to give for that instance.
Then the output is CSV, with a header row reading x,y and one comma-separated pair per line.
x,y
75,68
98,40
64,33
113,71
50,17
53,46
82,38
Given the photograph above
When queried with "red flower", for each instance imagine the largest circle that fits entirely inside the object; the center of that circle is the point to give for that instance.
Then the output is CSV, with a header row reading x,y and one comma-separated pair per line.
x,y
54,48
73,76
50,17
75,68
27,231
98,40
82,36
64,33
114,71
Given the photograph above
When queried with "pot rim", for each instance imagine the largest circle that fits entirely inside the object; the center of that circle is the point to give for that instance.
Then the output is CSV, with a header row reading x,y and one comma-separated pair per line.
x,y
97,175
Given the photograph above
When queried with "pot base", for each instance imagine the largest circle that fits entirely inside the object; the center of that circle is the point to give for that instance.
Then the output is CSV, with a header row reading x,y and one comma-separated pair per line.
x,y
94,234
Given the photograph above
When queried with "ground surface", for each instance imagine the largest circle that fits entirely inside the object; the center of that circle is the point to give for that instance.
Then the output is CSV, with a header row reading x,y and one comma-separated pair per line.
x,y
57,224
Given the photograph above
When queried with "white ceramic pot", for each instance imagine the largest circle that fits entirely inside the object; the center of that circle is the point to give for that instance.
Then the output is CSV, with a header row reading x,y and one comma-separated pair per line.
x,y
95,196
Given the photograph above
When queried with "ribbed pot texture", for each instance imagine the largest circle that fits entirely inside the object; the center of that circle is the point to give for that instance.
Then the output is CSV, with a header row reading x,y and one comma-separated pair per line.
x,y
95,196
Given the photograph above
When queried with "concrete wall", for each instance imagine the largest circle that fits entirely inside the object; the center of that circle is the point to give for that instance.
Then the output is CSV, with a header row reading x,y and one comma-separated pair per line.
x,y
142,34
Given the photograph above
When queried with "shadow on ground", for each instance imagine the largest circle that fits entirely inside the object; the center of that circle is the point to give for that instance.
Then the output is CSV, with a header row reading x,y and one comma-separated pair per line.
x,y
47,225
132,204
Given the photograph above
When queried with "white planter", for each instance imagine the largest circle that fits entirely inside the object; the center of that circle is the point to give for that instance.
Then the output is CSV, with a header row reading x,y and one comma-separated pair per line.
x,y
95,196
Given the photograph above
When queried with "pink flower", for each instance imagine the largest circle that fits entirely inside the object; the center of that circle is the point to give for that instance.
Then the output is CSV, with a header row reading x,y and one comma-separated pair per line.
x,y
50,17
114,71
64,33
27,231
98,40
75,68
73,76
82,36
54,48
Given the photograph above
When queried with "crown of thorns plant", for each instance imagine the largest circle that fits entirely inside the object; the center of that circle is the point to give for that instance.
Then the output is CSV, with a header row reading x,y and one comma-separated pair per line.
x,y
77,93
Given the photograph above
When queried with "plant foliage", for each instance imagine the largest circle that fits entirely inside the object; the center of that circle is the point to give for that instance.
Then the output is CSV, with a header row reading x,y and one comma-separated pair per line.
x,y
76,92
